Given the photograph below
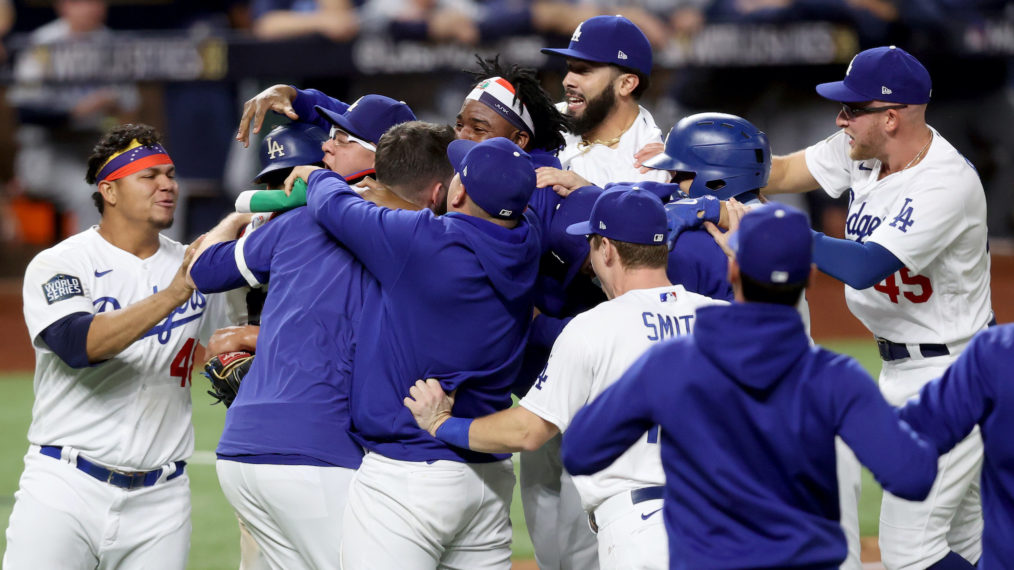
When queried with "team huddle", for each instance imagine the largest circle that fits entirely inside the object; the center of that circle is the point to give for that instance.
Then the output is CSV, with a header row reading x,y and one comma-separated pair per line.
x,y
369,316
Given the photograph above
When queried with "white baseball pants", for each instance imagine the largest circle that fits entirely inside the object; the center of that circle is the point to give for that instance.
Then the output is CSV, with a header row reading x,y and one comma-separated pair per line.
x,y
631,536
914,535
65,518
293,512
405,515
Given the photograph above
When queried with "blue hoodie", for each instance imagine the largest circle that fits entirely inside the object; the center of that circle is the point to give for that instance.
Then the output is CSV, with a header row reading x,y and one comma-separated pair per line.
x,y
976,390
454,303
748,413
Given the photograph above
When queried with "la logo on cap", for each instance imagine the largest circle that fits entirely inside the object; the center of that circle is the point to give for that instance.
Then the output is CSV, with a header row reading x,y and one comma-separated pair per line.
x,y
577,33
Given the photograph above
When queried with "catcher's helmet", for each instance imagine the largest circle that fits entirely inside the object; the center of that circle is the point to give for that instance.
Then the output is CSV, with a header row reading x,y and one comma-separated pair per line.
x,y
294,144
727,154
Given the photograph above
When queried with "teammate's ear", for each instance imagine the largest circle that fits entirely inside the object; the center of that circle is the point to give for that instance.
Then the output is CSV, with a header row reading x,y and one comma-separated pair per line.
x,y
520,138
627,82
108,191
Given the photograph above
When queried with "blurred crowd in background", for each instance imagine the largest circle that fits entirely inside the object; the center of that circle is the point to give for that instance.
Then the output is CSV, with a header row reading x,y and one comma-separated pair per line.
x,y
47,128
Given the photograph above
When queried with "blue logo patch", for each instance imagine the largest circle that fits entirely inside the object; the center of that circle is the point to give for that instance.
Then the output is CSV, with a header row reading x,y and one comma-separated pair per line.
x,y
61,287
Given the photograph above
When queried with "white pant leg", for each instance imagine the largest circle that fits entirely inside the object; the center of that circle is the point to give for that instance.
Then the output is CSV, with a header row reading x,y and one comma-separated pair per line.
x,y
415,515
914,535
631,536
556,520
293,512
56,521
850,482
250,555
64,518
149,528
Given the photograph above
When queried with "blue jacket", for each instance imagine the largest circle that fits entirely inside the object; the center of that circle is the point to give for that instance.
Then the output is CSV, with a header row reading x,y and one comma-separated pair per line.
x,y
454,303
976,390
293,405
748,413
698,263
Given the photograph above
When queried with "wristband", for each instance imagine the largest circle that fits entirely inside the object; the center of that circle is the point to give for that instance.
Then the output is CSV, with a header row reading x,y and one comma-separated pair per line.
x,y
272,200
454,431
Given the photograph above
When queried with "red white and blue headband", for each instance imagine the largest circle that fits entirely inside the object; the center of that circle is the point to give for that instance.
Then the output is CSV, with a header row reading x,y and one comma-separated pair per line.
x,y
135,158
498,94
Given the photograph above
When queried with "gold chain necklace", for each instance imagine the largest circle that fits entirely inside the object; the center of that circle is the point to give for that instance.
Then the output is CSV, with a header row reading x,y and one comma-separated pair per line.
x,y
926,146
585,144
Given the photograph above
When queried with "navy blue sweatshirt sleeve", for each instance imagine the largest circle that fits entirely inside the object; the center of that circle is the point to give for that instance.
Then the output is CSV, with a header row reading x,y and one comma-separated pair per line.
x,y
606,428
901,461
380,238
245,262
304,104
949,407
859,265
68,338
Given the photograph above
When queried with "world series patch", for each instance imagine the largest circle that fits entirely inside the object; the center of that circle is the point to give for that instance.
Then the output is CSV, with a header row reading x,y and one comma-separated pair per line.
x,y
61,287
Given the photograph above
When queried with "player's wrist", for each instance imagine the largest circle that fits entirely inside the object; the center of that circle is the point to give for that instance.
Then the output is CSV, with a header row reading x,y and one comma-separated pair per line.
x,y
454,431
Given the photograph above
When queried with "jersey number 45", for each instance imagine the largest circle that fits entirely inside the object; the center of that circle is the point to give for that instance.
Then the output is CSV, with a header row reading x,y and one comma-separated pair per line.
x,y
919,291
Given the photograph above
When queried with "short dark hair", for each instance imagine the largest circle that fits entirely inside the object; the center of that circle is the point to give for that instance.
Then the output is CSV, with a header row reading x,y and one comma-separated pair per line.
x,y
112,142
550,123
776,293
413,154
634,255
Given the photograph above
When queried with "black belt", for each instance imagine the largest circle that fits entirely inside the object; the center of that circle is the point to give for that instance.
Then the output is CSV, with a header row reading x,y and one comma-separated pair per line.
x,y
646,494
116,478
895,351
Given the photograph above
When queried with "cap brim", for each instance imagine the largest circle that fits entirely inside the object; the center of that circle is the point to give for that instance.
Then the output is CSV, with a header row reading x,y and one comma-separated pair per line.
x,y
580,229
573,54
837,91
457,150
340,121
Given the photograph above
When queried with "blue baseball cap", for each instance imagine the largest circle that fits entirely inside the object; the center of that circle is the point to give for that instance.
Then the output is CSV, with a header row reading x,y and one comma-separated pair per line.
x,y
626,213
496,173
572,249
369,117
886,73
774,244
294,144
609,39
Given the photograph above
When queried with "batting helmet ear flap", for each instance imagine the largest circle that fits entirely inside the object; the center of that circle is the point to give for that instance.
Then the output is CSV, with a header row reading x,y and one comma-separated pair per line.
x,y
727,155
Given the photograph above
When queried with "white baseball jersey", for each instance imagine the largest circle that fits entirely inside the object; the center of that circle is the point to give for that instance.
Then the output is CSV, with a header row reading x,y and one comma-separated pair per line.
x,y
932,217
601,165
591,353
131,412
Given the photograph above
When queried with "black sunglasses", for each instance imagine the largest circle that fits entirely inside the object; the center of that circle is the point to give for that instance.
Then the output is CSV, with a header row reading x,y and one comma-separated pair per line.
x,y
853,112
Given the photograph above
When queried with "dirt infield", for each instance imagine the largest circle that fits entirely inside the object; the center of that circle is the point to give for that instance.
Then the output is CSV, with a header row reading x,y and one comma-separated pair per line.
x,y
830,317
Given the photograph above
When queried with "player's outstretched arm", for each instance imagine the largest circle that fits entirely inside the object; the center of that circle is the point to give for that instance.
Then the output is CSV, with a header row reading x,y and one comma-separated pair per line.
x,y
507,431
789,174
110,333
226,230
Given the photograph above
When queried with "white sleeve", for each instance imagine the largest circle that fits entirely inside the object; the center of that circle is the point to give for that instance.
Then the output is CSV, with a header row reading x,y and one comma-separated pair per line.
x,y
924,221
829,163
55,286
564,385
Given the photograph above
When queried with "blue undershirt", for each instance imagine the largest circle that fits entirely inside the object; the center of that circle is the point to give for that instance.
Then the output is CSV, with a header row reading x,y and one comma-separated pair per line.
x,y
858,265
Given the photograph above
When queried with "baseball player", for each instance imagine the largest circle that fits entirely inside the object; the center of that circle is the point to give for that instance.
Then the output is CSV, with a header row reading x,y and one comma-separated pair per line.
x,y
115,328
454,303
747,427
285,458
287,146
608,67
627,227
972,393
725,156
916,270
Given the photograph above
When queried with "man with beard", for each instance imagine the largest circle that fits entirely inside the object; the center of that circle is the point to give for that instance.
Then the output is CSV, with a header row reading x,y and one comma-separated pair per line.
x,y
608,68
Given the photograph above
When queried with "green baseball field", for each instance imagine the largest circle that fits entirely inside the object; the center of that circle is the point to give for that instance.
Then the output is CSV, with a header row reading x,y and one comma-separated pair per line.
x,y
215,541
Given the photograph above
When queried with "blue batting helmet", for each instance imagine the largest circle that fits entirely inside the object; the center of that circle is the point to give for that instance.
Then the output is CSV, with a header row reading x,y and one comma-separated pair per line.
x,y
727,154
294,144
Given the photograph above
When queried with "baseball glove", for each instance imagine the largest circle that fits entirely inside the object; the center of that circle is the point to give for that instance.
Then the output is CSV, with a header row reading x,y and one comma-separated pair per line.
x,y
226,372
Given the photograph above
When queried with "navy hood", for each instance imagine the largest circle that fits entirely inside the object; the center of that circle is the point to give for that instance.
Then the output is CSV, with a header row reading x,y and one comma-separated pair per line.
x,y
508,256
754,344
